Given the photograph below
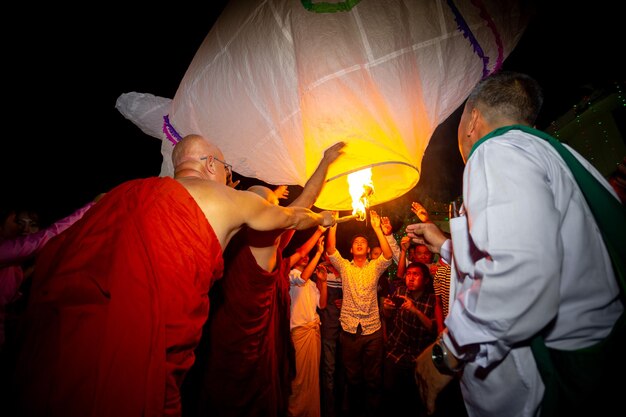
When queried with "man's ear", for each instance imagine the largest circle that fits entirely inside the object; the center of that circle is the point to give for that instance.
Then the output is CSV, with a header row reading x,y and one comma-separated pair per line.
x,y
210,164
471,125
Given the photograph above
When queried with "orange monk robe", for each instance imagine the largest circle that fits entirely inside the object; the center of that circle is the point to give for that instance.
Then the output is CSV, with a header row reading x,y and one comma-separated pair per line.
x,y
117,306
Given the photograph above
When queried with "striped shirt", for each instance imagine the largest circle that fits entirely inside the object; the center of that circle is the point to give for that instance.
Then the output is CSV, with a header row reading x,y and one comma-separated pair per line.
x,y
441,283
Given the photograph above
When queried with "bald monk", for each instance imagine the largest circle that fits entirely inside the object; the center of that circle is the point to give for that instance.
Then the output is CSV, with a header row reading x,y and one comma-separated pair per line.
x,y
248,369
119,299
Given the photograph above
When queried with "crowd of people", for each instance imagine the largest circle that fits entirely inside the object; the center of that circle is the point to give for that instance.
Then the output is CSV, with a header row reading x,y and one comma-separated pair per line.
x,y
176,297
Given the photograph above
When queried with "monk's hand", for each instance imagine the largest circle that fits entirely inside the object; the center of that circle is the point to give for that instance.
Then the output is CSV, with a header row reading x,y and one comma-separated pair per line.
x,y
334,152
430,381
328,218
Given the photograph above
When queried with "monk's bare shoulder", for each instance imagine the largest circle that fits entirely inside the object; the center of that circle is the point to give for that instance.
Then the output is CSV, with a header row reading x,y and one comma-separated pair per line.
x,y
224,207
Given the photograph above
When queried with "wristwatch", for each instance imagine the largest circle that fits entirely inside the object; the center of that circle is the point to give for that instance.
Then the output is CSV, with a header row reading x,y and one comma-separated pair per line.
x,y
441,359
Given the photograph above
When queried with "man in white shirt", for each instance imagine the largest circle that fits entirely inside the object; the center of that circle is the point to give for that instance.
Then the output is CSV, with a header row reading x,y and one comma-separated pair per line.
x,y
529,260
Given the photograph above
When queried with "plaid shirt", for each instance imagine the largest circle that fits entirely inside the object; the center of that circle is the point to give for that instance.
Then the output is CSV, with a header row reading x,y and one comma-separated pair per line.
x,y
409,337
360,299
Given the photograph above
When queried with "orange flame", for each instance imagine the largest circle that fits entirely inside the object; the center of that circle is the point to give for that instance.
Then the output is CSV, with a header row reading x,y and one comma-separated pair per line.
x,y
361,189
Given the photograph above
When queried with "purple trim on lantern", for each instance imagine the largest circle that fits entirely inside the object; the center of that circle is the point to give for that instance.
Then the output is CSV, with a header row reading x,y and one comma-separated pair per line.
x,y
467,33
169,130
485,15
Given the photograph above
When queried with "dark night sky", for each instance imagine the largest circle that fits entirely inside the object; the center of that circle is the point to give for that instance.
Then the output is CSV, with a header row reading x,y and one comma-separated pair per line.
x,y
64,142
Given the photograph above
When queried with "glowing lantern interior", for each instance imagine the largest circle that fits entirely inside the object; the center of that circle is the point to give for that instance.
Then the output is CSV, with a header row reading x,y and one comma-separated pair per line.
x,y
361,189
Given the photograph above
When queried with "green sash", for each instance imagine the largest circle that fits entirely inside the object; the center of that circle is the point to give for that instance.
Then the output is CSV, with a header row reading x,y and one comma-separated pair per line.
x,y
578,382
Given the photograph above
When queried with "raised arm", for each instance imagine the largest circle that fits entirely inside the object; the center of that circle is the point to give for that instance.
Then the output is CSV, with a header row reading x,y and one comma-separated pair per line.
x,y
404,247
306,247
322,277
13,251
314,184
331,240
382,240
310,267
385,224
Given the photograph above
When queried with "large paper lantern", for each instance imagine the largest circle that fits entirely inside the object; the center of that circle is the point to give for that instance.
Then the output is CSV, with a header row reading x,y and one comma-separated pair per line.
x,y
275,83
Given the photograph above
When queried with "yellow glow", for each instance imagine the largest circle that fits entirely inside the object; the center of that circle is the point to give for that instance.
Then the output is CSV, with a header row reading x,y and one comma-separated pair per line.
x,y
382,85
361,189
393,165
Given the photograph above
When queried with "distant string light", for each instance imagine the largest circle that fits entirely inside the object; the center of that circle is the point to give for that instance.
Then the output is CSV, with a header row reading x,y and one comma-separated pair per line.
x,y
595,127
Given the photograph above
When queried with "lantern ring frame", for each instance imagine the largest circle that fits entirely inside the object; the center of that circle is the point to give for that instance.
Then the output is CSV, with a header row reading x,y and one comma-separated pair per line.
x,y
343,174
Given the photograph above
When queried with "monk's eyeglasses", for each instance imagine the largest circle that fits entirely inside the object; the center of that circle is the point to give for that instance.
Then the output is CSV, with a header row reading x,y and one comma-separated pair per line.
x,y
227,167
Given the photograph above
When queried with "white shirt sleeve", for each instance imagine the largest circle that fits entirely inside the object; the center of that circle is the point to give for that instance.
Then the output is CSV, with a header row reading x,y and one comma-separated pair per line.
x,y
514,289
395,248
446,251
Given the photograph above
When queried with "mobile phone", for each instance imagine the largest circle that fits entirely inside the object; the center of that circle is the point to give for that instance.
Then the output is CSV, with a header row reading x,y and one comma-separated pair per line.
x,y
398,301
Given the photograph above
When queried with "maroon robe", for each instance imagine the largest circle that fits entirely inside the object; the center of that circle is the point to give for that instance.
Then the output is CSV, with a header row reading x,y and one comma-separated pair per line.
x,y
117,306
251,358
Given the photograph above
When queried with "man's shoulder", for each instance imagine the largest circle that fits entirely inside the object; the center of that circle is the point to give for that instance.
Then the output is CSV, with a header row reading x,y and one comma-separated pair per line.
x,y
381,260
337,260
335,255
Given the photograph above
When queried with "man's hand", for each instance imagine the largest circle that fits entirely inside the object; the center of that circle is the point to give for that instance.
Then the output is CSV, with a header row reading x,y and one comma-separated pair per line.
x,y
427,234
405,243
429,380
282,192
336,216
321,272
320,246
232,184
334,152
374,219
420,212
385,224
328,218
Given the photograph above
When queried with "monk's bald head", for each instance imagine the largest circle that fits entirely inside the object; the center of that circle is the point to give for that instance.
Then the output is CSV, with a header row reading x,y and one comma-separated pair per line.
x,y
192,148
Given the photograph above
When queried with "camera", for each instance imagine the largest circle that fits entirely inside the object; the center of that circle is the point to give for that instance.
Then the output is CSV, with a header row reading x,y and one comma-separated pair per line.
x,y
398,301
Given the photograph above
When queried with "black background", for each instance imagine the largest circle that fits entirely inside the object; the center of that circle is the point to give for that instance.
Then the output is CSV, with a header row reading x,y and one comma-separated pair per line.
x,y
64,142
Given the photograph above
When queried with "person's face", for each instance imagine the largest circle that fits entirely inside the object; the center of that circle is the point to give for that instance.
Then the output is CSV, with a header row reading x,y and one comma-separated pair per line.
x,y
27,223
376,252
414,279
329,266
10,228
360,247
303,262
421,254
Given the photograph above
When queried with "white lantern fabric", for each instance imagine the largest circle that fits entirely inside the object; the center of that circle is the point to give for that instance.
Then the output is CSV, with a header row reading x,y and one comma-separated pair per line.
x,y
277,82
